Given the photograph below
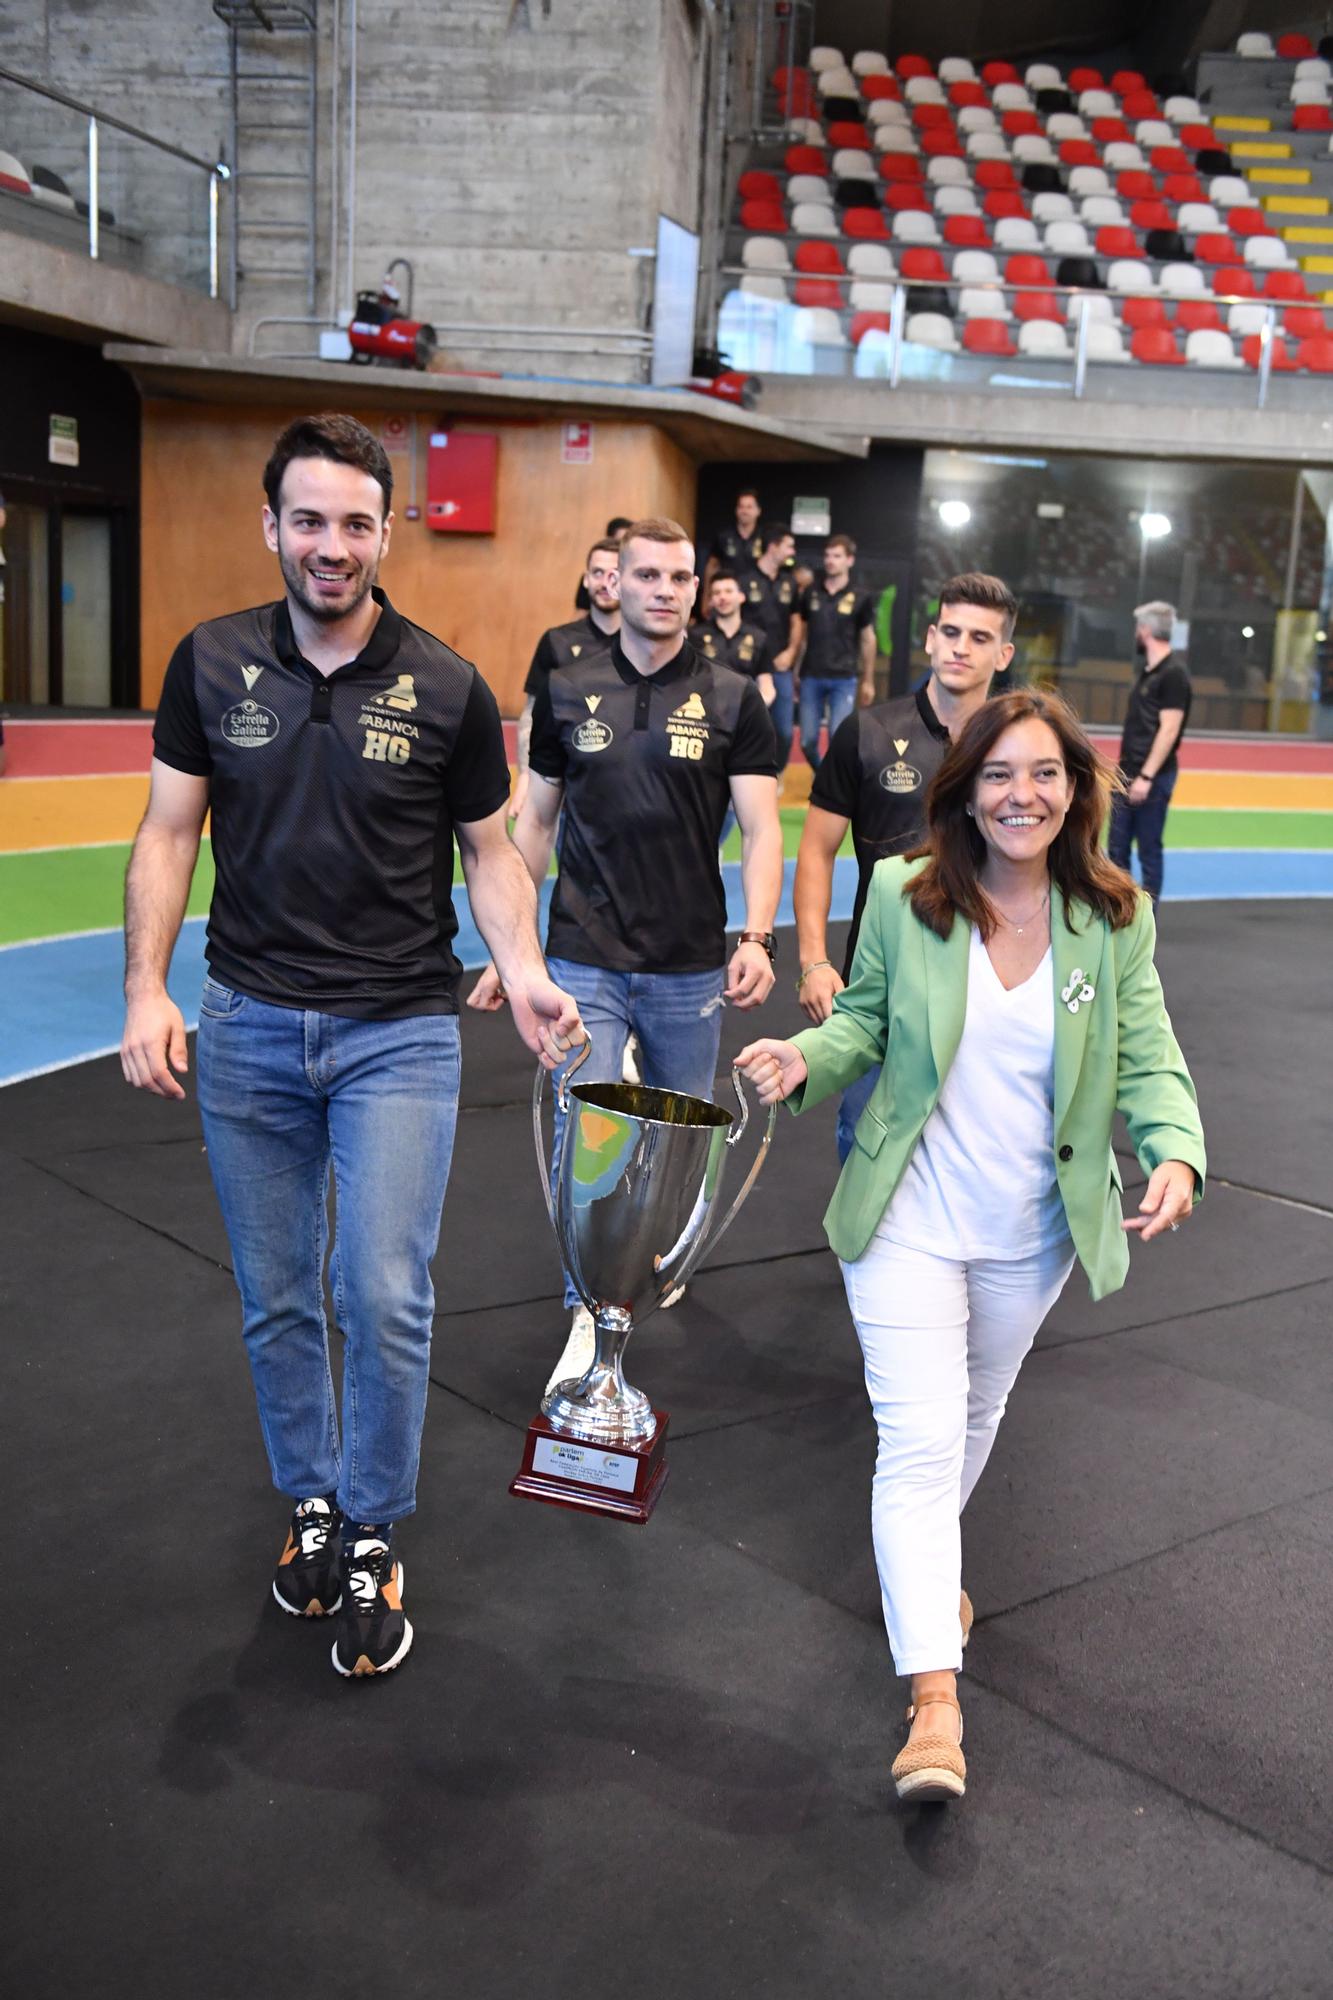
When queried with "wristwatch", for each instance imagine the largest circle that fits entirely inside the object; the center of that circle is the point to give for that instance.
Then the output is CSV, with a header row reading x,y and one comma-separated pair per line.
x,y
765,938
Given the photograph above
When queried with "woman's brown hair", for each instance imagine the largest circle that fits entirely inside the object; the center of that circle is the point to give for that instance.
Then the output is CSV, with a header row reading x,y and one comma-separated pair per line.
x,y
949,884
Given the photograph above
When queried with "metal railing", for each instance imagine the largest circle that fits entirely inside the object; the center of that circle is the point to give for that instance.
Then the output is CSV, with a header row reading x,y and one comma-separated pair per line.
x,y
218,173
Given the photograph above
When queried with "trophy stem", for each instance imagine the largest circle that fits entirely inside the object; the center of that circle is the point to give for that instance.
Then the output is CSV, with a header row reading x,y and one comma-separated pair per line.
x,y
601,1405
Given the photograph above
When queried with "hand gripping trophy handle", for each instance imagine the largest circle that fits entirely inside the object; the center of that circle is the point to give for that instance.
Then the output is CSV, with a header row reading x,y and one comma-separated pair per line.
x,y
561,1090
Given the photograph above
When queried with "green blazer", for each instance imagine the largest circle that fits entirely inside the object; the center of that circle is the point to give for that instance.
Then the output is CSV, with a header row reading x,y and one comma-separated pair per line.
x,y
905,1007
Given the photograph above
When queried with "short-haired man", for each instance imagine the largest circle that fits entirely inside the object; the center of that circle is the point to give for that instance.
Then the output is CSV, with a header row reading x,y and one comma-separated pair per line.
x,y
1159,707
837,623
636,754
340,750
771,593
614,531
729,638
874,780
739,547
563,643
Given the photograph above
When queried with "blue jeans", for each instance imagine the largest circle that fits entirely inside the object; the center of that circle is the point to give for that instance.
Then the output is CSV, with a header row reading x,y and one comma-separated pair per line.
x,y
678,1041
854,1101
1142,825
835,693
285,1096
782,716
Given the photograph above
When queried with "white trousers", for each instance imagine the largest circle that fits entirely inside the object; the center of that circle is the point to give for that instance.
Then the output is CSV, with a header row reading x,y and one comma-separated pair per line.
x,y
943,1343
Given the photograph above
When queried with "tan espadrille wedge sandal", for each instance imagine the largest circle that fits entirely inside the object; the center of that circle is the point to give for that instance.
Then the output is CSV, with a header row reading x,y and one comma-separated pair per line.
x,y
965,1616
931,1767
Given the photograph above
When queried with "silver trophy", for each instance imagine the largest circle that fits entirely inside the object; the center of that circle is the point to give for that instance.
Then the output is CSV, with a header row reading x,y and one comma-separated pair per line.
x,y
635,1207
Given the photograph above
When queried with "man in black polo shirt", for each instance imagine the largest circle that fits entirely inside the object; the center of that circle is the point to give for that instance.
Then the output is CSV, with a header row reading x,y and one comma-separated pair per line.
x,y
563,643
738,548
874,781
644,747
729,638
771,596
1159,707
340,749
837,623
615,529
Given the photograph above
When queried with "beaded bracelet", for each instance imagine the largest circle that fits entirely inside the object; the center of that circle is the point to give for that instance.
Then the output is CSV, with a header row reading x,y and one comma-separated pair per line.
x,y
818,966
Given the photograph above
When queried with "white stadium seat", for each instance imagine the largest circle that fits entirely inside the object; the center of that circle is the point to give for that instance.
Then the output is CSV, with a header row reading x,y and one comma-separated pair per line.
x,y
1052,208
764,288
1309,93
1034,148
948,172
1010,97
1313,69
1088,180
983,302
851,164
895,139
765,253
836,83
1067,239
1230,191
1207,348
1267,253
986,146
887,111
1096,305
1043,337
930,330
1153,132
1097,104
1015,232
874,354
809,187
1129,274
1065,125
975,267
977,118
1184,111
819,327
1256,46
924,90
957,69
956,201
826,58
871,260
1182,281
913,225
1247,316
1043,76
1101,211
1121,157
867,295
814,218
1198,218
870,62
1105,343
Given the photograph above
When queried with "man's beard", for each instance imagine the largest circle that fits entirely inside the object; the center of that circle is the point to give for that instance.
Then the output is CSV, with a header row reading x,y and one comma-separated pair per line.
x,y
317,607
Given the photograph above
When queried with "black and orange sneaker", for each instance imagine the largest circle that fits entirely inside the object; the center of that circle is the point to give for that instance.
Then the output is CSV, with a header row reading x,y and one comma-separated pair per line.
x,y
374,1632
308,1581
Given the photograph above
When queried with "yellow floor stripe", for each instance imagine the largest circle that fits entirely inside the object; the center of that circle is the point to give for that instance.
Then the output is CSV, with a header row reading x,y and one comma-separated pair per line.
x,y
1295,204
1279,176
1238,124
1260,149
1316,264
1307,232
69,812
1237,791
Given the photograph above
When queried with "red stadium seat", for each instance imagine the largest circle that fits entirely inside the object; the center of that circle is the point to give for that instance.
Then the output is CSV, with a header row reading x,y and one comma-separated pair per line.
x,y
796,91
1235,281
966,232
1135,184
1157,345
764,218
1199,316
1248,222
1114,240
818,258
964,94
1106,131
1016,124
1182,187
1086,79
1169,160
1316,355
866,223
1212,248
1126,80
1024,268
941,143
1079,153
928,116
908,66
1304,322
867,322
999,72
1138,104
1196,137
1286,285
1038,305
994,174
818,292
882,88
901,167
1151,215
805,160
1311,118
1294,48
922,263
1140,313
999,202
757,186
1284,361
849,134
987,336
900,195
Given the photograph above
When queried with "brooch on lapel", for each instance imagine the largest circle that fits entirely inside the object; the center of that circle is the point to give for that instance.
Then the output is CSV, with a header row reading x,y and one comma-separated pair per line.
x,y
1078,990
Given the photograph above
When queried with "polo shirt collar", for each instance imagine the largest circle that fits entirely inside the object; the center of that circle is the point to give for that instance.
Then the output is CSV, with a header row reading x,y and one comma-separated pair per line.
x,y
675,669
375,655
928,715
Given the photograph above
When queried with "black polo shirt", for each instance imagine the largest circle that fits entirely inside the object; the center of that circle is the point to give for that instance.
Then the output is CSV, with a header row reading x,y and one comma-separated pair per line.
x,y
1167,685
769,604
834,622
745,652
875,774
736,551
562,644
333,801
646,761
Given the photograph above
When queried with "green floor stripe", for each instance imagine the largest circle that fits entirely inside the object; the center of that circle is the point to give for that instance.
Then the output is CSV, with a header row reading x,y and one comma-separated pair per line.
x,y
76,889
1204,826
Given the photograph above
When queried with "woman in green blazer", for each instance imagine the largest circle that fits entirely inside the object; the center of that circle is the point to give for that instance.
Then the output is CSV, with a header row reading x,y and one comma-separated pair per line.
x,y
1004,978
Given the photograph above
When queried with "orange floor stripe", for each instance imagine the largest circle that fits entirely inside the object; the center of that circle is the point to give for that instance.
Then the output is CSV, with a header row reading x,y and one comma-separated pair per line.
x,y
69,812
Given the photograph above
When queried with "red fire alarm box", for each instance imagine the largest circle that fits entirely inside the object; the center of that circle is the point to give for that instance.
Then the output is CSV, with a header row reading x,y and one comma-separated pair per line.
x,y
460,482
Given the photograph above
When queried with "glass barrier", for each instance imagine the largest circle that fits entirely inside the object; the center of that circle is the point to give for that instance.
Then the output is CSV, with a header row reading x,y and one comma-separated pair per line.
x,y
75,178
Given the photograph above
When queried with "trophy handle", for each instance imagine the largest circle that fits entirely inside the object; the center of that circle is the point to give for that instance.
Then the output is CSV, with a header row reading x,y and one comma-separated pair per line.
x,y
561,1093
704,1243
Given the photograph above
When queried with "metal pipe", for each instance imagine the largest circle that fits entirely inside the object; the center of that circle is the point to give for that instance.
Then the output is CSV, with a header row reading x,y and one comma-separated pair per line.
x,y
896,316
1266,353
212,236
234,235
333,160
351,155
117,124
1081,348
94,190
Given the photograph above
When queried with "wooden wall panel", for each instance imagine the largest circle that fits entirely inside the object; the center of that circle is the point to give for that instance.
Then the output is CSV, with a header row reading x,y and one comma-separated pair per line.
x,y
488,596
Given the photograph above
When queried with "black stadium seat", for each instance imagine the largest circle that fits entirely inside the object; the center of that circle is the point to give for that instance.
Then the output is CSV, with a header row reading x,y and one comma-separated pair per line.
x,y
1167,246
1052,99
1084,272
835,108
929,299
856,194
1213,160
1040,177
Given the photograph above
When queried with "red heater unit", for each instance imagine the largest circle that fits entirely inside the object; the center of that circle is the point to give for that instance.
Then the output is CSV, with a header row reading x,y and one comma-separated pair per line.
x,y
460,482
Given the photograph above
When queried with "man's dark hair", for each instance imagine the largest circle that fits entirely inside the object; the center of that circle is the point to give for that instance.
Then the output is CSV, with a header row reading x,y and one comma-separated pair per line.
x,y
774,531
841,542
340,438
616,526
721,575
987,592
607,543
746,493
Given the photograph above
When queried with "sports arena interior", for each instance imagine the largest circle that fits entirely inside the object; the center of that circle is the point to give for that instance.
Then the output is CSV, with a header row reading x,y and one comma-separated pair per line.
x,y
1046,293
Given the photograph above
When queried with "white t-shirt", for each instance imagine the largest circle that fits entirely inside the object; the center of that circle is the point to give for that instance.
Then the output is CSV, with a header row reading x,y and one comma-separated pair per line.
x,y
981,1181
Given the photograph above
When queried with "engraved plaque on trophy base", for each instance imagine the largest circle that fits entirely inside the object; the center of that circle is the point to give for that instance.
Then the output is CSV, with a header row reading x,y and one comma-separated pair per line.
x,y
625,1481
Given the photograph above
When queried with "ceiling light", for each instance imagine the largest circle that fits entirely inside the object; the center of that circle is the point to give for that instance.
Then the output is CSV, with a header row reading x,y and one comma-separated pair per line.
x,y
1152,527
955,513
1247,631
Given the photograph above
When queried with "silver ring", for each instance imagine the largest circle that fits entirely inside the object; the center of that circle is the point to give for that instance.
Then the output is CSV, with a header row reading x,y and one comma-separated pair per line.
x,y
1175,1225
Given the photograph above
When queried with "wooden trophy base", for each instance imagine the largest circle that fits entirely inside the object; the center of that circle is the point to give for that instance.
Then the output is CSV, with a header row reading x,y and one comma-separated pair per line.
x,y
625,1481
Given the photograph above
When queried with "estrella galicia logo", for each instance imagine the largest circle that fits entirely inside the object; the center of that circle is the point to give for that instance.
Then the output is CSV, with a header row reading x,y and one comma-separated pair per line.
x,y
591,736
250,725
900,777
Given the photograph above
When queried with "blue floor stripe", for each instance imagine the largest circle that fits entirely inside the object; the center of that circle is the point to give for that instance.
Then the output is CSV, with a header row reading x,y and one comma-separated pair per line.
x,y
60,1000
